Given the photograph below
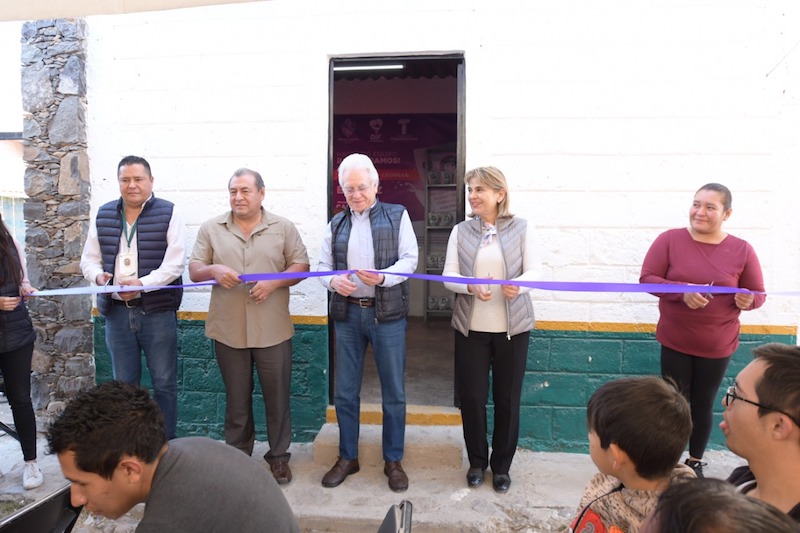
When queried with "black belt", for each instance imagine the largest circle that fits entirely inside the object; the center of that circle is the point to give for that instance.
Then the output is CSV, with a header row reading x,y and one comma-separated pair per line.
x,y
361,302
136,302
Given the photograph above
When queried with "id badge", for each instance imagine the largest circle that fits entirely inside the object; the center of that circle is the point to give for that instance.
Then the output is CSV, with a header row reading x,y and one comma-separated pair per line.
x,y
126,266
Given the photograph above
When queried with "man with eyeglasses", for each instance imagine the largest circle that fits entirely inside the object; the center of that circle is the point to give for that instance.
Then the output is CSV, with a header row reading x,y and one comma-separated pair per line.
x,y
761,423
368,308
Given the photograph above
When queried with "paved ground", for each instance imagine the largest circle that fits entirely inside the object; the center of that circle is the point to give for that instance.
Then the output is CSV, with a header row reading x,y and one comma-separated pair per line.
x,y
545,490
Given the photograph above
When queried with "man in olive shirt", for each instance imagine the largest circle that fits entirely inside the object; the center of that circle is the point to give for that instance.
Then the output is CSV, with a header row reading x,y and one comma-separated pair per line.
x,y
250,322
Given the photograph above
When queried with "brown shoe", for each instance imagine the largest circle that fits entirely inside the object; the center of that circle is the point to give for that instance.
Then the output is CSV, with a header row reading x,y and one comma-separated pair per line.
x,y
398,480
281,472
340,470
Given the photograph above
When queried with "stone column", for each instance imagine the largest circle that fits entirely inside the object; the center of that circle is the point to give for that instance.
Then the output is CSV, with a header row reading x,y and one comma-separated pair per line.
x,y
57,208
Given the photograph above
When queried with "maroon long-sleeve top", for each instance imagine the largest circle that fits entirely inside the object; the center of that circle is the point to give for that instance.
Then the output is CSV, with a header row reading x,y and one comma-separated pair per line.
x,y
713,331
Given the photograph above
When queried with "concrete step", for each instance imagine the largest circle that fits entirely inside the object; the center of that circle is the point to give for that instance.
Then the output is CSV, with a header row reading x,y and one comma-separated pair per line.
x,y
433,438
416,415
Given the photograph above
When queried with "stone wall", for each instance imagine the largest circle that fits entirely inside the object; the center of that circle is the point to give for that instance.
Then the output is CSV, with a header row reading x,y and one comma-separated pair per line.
x,y
57,209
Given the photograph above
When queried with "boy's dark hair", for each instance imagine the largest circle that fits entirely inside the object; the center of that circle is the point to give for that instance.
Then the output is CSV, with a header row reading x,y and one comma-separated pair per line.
x,y
134,160
646,417
104,423
707,505
779,387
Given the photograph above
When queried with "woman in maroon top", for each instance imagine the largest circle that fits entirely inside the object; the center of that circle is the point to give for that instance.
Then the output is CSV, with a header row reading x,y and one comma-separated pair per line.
x,y
699,332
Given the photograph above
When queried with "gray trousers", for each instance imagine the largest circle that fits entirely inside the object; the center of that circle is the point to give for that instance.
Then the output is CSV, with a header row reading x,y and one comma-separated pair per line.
x,y
274,368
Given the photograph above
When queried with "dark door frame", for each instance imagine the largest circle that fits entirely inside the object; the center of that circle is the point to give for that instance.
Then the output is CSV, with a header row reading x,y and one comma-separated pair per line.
x,y
428,63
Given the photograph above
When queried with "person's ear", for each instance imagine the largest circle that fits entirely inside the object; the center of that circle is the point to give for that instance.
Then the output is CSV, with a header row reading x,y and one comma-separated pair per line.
x,y
727,214
781,426
131,468
618,457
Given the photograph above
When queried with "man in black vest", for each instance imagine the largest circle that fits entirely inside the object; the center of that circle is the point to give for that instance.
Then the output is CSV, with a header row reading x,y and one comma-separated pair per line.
x,y
139,240
368,308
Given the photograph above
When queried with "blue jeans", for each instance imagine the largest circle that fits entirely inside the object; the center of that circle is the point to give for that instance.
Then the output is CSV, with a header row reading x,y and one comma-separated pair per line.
x,y
388,340
131,331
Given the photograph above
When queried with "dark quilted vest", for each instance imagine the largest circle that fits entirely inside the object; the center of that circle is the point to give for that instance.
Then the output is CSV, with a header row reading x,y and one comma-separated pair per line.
x,y
151,239
391,303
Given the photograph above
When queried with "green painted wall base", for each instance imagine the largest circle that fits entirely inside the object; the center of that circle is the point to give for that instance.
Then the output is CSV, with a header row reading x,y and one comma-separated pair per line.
x,y
201,393
564,368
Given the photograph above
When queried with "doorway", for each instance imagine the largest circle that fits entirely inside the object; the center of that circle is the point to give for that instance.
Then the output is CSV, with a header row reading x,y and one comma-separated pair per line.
x,y
407,114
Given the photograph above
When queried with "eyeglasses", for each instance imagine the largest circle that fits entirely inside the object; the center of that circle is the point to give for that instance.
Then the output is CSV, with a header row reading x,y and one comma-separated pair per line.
x,y
731,395
350,191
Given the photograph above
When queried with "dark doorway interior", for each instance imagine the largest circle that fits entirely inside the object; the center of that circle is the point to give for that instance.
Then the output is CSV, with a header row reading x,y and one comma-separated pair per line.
x,y
381,113
429,365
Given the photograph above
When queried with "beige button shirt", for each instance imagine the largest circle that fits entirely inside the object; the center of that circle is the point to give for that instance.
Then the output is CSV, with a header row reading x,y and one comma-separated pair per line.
x,y
234,318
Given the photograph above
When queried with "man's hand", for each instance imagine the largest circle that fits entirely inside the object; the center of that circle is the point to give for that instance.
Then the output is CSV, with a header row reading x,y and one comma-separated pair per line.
x,y
261,290
370,278
129,295
343,285
226,276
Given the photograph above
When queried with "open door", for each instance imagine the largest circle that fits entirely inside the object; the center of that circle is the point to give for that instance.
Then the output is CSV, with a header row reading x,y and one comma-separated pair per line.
x,y
407,114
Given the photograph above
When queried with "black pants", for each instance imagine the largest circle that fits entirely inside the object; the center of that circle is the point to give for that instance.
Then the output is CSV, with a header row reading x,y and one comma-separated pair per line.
x,y
698,379
476,356
16,368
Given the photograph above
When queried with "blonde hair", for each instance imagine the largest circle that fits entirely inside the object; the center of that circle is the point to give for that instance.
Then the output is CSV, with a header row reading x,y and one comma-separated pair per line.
x,y
494,179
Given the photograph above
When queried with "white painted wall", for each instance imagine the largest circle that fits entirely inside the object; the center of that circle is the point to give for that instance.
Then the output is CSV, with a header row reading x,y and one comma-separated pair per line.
x,y
606,117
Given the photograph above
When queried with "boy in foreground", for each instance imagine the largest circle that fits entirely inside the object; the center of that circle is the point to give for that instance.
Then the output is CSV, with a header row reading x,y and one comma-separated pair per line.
x,y
638,429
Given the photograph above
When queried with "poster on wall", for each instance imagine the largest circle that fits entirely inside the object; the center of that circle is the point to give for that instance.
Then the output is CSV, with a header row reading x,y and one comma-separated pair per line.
x,y
409,150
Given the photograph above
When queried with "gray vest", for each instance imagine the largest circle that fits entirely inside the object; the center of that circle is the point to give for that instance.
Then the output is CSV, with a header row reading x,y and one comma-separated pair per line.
x,y
511,236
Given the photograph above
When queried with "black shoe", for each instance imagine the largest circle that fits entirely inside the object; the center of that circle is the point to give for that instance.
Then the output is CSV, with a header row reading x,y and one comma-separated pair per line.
x,y
501,483
475,477
697,466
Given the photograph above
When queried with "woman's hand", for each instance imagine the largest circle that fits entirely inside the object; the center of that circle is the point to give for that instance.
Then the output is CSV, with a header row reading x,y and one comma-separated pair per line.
x,y
481,292
743,300
510,291
9,303
25,289
694,300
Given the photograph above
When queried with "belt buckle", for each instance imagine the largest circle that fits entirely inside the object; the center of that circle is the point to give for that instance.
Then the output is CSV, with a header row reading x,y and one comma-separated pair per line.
x,y
127,305
363,302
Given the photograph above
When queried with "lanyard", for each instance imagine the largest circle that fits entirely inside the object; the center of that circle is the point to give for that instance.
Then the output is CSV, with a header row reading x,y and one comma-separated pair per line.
x,y
128,238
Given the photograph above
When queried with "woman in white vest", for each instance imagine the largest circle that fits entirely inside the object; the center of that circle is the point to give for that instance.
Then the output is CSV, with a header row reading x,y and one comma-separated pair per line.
x,y
492,322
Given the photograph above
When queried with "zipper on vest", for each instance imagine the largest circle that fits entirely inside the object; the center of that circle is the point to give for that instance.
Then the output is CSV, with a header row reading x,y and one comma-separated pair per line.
x,y
505,270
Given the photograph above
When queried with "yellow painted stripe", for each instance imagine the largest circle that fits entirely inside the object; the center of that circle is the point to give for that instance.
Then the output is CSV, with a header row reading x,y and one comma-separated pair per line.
x,y
417,415
296,319
615,327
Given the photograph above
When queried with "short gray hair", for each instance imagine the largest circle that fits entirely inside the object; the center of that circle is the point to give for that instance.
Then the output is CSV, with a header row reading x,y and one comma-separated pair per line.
x,y
357,162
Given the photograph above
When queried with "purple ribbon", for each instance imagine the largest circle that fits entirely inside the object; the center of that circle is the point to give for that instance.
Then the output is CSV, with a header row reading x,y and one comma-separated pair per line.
x,y
566,286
